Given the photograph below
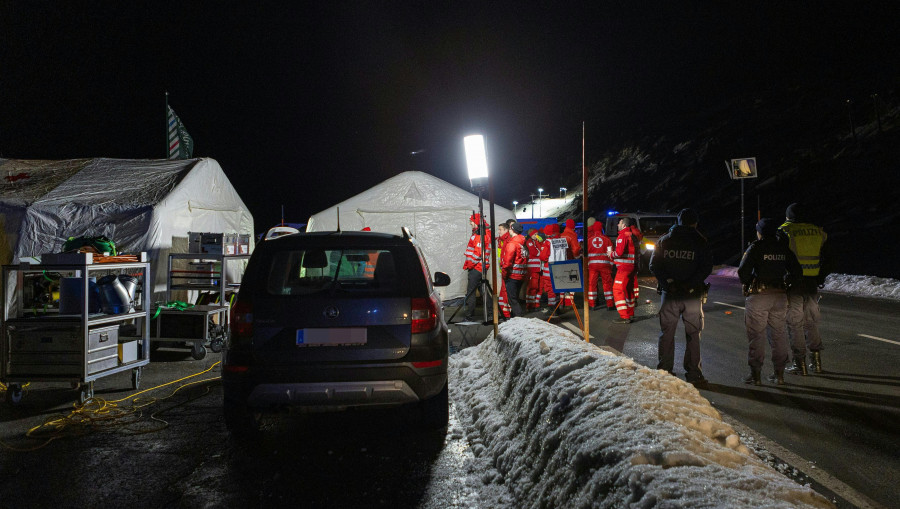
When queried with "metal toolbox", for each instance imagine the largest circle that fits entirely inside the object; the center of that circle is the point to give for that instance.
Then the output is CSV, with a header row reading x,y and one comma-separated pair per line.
x,y
103,348
44,350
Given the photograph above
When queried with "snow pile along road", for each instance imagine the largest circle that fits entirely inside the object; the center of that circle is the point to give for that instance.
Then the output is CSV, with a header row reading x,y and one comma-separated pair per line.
x,y
563,423
869,286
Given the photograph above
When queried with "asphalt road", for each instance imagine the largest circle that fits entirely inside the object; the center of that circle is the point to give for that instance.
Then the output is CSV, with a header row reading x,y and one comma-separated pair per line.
x,y
843,422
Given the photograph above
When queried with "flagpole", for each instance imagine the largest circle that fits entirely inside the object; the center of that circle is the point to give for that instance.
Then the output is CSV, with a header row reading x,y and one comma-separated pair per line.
x,y
167,126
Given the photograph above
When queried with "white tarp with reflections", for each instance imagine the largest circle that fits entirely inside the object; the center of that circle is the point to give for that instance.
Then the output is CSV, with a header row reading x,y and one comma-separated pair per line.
x,y
141,204
435,211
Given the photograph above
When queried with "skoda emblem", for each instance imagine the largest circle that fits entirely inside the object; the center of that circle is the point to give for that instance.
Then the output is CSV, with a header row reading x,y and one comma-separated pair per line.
x,y
331,312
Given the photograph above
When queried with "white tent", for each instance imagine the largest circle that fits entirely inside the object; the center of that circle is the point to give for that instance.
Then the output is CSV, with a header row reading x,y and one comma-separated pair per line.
x,y
436,212
140,204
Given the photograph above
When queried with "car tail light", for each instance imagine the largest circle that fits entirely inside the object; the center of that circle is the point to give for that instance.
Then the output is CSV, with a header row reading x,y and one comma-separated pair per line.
x,y
242,320
424,315
427,364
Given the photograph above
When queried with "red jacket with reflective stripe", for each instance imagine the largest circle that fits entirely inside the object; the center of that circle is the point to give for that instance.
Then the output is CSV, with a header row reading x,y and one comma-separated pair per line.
x,y
515,258
596,246
545,255
473,251
626,250
534,255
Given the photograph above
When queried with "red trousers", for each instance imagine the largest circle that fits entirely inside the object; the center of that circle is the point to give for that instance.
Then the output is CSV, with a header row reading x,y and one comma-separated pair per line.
x,y
533,292
600,272
547,287
503,301
623,290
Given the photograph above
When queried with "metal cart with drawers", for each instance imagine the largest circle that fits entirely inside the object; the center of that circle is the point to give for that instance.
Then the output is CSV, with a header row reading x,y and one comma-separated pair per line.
x,y
41,344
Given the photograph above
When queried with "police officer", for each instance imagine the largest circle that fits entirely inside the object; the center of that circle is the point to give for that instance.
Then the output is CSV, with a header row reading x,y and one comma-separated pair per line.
x,y
681,264
807,241
767,269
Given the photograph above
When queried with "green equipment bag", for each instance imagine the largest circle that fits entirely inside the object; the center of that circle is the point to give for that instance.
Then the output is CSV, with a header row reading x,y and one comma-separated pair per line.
x,y
101,244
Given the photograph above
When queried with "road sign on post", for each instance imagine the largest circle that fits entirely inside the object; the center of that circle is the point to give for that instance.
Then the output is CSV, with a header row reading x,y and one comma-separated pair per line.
x,y
740,169
744,168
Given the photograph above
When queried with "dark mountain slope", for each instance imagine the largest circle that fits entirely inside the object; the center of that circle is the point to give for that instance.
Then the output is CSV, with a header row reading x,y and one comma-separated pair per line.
x,y
805,152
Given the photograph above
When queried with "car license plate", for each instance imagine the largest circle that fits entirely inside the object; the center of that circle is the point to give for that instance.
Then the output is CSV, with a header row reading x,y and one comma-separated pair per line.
x,y
338,336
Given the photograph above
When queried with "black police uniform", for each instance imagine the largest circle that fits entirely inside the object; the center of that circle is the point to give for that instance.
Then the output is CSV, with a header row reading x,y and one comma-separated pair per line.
x,y
767,268
681,262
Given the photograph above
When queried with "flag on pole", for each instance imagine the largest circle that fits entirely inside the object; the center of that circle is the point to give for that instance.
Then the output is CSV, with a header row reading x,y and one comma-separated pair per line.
x,y
181,145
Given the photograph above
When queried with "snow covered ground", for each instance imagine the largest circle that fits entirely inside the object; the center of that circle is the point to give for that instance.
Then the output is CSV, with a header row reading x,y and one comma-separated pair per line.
x,y
860,286
553,421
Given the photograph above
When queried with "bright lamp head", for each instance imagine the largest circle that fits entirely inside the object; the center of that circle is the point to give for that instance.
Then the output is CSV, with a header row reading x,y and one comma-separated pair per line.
x,y
476,159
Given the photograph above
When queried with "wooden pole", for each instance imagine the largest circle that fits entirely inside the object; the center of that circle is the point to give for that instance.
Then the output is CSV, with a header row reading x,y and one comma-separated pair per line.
x,y
494,259
584,239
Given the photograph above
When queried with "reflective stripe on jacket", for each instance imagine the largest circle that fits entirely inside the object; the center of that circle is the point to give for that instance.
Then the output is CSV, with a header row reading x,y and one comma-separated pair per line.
x,y
624,253
534,255
473,252
597,245
515,257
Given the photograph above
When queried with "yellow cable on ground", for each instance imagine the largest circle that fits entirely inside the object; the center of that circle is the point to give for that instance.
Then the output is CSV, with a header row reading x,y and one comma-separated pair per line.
x,y
97,414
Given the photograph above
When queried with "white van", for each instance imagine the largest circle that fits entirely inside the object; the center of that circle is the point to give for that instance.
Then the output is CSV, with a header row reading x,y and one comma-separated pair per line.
x,y
652,224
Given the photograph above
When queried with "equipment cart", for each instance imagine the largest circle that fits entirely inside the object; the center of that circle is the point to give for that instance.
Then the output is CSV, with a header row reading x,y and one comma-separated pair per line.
x,y
199,324
194,325
68,339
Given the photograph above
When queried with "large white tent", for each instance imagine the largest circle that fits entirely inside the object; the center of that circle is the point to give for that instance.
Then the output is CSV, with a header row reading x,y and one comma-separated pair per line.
x,y
140,204
435,211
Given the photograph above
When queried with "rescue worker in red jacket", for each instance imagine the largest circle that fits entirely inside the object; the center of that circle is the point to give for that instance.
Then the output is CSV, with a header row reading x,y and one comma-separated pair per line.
x,y
600,266
502,300
473,264
571,236
533,294
625,256
502,235
514,266
551,231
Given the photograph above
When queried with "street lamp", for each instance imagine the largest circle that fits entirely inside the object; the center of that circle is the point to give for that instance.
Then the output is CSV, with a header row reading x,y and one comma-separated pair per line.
x,y
562,192
476,162
540,201
515,204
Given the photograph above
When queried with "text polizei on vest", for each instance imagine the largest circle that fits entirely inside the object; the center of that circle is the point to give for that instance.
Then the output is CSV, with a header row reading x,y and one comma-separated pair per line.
x,y
774,257
683,254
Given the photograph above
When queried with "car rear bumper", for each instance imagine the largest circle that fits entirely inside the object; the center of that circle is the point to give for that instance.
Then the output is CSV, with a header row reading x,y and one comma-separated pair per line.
x,y
336,386
336,394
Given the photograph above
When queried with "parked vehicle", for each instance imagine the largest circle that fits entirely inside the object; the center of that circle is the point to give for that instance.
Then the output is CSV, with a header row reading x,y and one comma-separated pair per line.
x,y
652,225
334,320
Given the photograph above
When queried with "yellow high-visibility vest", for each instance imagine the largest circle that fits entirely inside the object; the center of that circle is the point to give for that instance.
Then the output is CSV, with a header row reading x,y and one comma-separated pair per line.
x,y
806,242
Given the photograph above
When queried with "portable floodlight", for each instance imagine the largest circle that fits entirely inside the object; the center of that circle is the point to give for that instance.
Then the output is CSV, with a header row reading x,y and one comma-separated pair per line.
x,y
476,161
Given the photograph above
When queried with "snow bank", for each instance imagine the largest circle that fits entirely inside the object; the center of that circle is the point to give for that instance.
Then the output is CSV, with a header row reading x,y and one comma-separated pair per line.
x,y
859,286
869,286
565,424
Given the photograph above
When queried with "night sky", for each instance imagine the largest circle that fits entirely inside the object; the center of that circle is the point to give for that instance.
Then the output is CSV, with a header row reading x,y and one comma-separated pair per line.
x,y
305,104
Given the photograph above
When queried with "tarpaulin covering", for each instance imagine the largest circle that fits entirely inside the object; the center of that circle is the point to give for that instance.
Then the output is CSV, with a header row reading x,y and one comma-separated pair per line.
x,y
435,211
141,204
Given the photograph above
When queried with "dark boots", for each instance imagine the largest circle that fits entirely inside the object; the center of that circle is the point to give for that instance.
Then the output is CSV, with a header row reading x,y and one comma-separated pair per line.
x,y
799,367
816,363
777,377
754,377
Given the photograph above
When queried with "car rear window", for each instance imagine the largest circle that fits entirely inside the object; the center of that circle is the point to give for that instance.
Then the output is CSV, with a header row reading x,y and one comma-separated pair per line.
x,y
313,271
657,225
